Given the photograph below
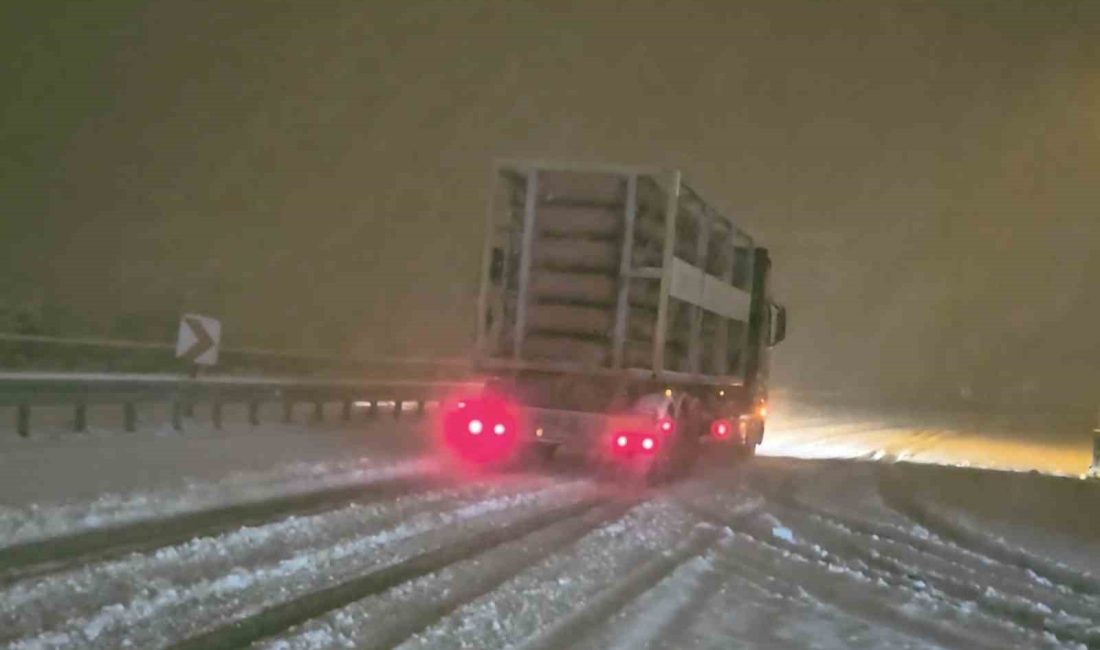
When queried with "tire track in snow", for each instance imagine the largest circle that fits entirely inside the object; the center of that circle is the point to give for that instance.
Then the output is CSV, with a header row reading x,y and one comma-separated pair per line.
x,y
552,589
763,541
661,610
40,558
280,617
959,564
889,562
30,605
922,538
570,630
173,612
745,605
414,606
895,496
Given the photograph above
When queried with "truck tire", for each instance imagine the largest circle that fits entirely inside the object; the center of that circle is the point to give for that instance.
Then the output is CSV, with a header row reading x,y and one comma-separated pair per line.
x,y
677,461
538,455
745,451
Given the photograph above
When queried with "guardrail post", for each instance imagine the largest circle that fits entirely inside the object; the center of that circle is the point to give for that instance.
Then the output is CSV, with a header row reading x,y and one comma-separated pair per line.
x,y
216,414
129,417
177,415
345,412
318,411
397,409
1095,469
254,413
80,417
23,420
288,410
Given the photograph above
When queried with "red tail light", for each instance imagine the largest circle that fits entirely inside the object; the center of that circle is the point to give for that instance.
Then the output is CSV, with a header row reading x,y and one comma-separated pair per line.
x,y
629,443
466,421
721,429
666,425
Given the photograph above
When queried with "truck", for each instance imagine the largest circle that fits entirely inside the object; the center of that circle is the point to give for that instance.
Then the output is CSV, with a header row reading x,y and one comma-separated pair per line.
x,y
620,316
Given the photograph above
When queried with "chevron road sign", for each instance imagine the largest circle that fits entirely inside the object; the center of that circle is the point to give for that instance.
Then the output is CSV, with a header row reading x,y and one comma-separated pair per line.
x,y
198,339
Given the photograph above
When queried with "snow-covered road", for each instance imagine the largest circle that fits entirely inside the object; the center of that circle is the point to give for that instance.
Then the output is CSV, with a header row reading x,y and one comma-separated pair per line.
x,y
768,553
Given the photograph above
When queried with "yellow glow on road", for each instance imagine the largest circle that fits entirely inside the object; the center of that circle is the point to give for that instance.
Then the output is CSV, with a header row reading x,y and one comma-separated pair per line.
x,y
838,436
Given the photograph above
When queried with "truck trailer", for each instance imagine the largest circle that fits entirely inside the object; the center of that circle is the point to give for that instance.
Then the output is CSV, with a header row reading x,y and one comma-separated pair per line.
x,y
620,316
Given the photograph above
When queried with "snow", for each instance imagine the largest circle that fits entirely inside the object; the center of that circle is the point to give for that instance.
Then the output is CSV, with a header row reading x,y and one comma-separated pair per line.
x,y
783,533
1055,443
825,553
186,597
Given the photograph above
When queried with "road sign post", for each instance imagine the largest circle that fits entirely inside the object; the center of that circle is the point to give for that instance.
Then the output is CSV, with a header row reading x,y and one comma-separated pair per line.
x,y
197,346
198,340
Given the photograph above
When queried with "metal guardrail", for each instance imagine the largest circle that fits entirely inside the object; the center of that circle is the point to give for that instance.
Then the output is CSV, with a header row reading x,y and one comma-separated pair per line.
x,y
66,354
25,391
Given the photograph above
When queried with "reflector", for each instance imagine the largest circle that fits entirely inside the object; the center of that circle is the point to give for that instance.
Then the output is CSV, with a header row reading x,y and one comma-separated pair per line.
x,y
499,429
666,425
621,441
475,427
648,443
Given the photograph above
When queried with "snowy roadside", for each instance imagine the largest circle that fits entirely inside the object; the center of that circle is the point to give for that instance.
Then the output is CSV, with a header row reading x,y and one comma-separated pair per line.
x,y
64,484
1052,443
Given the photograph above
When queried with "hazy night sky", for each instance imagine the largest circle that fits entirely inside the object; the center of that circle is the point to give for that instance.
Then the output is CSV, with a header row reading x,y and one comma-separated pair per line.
x,y
927,175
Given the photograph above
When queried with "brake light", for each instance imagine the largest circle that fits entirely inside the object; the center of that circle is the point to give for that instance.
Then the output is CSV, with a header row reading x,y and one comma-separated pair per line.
x,y
481,429
622,441
666,425
648,443
720,428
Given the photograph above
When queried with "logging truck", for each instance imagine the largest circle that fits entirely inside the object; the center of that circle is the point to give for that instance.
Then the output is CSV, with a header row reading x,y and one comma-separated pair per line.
x,y
620,316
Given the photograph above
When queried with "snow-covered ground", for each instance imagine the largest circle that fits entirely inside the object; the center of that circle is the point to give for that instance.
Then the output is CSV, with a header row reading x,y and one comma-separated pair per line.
x,y
835,551
1054,442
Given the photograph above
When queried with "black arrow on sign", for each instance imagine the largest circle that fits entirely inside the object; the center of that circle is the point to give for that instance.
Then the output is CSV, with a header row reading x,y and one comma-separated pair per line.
x,y
203,341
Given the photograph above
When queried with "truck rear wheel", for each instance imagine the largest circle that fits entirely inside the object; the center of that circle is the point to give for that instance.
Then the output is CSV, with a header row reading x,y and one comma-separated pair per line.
x,y
538,454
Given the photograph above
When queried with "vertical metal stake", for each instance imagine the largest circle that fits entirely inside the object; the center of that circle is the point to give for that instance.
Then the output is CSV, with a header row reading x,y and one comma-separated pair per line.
x,y
626,268
420,406
695,326
372,409
177,415
667,254
80,417
318,411
288,410
525,262
254,413
216,414
129,417
345,412
23,420
397,408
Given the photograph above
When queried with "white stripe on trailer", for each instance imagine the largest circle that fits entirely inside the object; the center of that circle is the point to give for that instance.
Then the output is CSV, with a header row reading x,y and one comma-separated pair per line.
x,y
693,286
